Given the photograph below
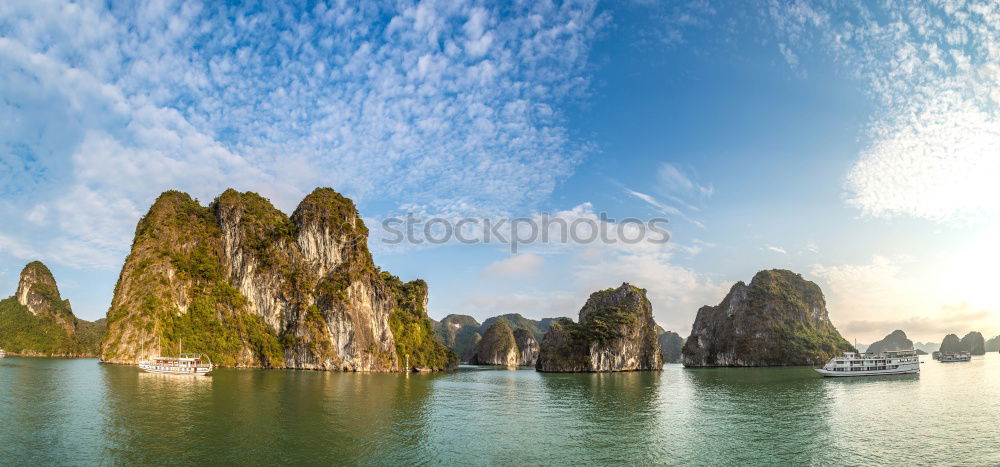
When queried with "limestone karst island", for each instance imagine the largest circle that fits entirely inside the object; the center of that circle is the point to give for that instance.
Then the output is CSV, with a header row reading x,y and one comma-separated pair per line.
x,y
562,232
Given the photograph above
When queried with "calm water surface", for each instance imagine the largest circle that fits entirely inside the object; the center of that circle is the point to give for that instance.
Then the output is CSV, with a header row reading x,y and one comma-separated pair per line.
x,y
77,412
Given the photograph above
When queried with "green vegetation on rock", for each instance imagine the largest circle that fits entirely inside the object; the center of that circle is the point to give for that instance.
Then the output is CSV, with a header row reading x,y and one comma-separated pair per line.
x,y
24,333
37,321
415,337
616,332
248,286
779,319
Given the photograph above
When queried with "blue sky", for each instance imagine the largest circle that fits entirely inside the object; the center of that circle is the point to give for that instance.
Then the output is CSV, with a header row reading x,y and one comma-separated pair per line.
x,y
853,143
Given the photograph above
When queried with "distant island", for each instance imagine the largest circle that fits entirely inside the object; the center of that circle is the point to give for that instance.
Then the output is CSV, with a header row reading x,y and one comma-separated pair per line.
x,y
36,321
462,333
502,346
779,319
973,343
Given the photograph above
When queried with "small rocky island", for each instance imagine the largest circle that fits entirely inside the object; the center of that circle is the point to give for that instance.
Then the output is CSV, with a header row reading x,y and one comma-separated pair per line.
x,y
896,340
502,346
616,332
779,319
36,321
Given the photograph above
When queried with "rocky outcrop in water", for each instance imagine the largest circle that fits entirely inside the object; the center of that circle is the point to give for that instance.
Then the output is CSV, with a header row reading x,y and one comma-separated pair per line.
x,y
249,286
616,332
497,347
951,344
974,343
896,340
37,321
779,319
671,345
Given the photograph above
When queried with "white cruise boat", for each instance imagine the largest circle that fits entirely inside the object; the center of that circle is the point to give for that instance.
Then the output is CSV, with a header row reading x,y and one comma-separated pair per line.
x,y
955,357
2,353
893,362
184,364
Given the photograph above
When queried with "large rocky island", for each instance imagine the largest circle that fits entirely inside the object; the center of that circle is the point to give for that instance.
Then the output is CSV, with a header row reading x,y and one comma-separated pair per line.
x,y
616,332
249,286
36,321
779,319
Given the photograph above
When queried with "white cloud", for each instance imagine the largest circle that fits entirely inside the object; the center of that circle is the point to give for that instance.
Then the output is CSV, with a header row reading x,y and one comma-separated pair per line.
x,y
450,106
776,249
934,70
524,265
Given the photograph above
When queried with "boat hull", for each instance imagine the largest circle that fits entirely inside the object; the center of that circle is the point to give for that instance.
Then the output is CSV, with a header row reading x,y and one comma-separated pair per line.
x,y
849,374
165,370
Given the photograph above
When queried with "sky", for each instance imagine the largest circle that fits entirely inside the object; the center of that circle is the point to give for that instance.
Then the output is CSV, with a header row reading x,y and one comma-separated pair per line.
x,y
856,143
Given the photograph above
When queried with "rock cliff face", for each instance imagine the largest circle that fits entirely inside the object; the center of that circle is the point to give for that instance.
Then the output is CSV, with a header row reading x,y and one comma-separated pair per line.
x,y
249,286
616,332
894,341
37,290
779,319
497,347
37,321
527,347
671,344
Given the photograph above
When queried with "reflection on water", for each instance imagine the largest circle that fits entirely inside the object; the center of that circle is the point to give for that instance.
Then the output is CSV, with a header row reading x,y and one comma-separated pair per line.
x,y
56,411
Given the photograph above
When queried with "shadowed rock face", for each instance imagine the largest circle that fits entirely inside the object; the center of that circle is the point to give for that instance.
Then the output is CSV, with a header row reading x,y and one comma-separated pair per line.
x,y
894,341
779,319
973,342
251,287
671,344
616,332
951,344
461,334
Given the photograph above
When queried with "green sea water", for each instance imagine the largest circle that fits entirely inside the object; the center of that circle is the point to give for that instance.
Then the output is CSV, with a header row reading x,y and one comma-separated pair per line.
x,y
78,412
